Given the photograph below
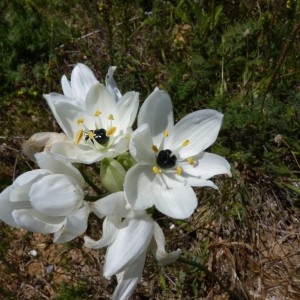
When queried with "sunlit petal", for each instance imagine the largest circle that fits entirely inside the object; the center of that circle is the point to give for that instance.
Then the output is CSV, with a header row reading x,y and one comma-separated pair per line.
x,y
55,195
34,221
111,83
21,186
58,165
137,187
158,247
199,129
82,78
100,99
177,202
7,207
128,279
157,112
66,87
131,242
110,229
141,146
126,109
207,165
75,225
80,153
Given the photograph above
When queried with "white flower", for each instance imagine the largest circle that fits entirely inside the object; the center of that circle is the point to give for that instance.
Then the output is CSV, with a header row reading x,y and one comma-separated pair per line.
x,y
47,200
128,235
96,119
170,159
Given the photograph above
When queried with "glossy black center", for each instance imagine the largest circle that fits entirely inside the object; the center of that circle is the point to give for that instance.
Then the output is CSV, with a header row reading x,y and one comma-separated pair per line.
x,y
99,136
165,159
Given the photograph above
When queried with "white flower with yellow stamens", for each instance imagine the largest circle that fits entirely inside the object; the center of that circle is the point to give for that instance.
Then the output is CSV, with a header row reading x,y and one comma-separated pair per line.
x,y
171,159
96,119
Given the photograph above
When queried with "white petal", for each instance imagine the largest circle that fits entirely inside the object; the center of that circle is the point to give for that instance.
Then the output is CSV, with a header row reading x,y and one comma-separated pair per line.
x,y
126,109
100,99
58,165
55,195
131,242
137,186
80,153
158,247
111,205
207,165
66,87
21,186
67,116
52,100
121,145
111,83
199,182
177,202
157,112
75,225
201,128
7,207
34,221
82,78
128,279
110,230
141,144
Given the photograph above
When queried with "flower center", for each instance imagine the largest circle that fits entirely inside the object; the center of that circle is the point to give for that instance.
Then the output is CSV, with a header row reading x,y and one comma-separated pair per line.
x,y
165,159
99,135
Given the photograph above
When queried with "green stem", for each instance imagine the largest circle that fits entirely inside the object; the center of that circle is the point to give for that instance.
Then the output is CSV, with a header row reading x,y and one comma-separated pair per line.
x,y
89,181
201,267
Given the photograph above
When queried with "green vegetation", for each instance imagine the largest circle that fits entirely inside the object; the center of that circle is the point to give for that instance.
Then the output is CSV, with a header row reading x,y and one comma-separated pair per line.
x,y
239,57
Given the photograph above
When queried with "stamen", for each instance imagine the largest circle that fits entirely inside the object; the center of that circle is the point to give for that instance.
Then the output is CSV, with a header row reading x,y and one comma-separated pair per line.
x,y
110,117
91,134
98,113
166,133
80,121
111,131
179,171
191,161
185,143
78,136
154,148
156,170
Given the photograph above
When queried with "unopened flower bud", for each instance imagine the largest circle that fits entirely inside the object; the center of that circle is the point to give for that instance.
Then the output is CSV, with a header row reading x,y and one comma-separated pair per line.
x,y
112,175
126,160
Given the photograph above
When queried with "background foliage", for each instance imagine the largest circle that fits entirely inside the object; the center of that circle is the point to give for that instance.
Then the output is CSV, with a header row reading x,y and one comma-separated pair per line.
x,y
239,57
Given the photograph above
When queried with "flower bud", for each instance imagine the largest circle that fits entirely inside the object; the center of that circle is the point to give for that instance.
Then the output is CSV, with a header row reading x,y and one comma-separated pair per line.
x,y
112,175
126,160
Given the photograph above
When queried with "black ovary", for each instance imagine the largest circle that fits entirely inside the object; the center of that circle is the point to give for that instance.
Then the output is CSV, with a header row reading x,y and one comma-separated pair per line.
x,y
165,159
99,136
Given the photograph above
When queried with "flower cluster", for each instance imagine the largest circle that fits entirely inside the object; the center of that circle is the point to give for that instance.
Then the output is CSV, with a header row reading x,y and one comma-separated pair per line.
x,y
155,166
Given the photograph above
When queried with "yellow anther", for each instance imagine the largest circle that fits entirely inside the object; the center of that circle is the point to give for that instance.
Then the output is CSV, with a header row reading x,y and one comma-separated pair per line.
x,y
111,131
154,148
191,161
98,113
166,133
179,171
91,134
110,117
78,136
185,143
156,170
80,121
